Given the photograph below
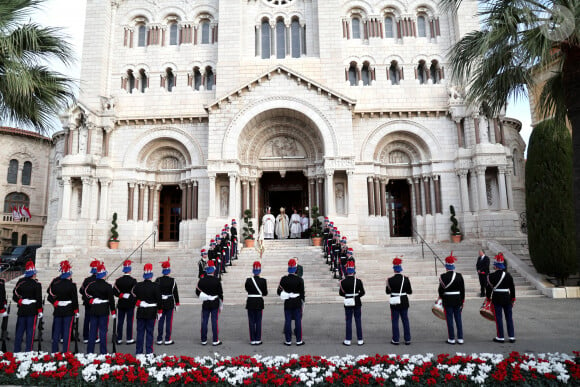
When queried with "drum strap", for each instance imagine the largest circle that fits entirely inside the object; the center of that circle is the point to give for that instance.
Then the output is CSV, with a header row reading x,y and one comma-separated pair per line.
x,y
496,286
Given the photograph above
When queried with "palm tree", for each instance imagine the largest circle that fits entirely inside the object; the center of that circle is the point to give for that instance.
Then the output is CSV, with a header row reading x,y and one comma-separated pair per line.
x,y
517,38
30,93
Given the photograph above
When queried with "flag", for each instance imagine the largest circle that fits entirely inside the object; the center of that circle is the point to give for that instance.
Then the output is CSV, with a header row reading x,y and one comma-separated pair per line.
x,y
25,212
15,214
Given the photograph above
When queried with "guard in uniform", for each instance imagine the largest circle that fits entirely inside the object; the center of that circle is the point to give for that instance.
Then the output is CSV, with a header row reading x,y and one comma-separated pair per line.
x,y
126,302
169,303
86,282
325,233
234,234
225,249
482,267
209,290
352,289
502,292
399,286
291,290
3,300
63,295
342,258
148,296
201,264
101,298
336,247
28,295
257,289
452,293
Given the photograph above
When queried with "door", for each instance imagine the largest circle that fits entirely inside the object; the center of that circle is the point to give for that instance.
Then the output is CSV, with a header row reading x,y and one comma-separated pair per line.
x,y
169,213
398,196
290,192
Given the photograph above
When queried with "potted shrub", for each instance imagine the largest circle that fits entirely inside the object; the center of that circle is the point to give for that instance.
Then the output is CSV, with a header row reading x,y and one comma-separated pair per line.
x,y
114,240
316,228
455,231
248,229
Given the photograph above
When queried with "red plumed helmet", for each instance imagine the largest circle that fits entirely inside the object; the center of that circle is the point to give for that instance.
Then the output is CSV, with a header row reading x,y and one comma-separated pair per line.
x,y
65,266
211,264
101,267
94,263
148,268
350,264
397,261
127,262
292,262
29,266
499,258
257,265
451,259
166,264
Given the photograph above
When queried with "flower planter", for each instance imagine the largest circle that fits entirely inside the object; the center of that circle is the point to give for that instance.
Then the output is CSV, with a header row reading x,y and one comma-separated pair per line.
x,y
456,238
316,241
249,243
114,245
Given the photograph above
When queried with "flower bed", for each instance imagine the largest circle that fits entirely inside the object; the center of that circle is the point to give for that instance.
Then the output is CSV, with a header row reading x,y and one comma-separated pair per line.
x,y
34,368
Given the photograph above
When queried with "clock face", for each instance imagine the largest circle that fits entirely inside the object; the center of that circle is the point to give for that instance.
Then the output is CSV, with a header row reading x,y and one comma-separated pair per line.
x,y
278,2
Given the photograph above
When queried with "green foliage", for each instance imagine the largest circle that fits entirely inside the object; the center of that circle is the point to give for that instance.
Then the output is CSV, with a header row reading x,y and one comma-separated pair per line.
x,y
454,227
316,227
114,233
248,229
549,200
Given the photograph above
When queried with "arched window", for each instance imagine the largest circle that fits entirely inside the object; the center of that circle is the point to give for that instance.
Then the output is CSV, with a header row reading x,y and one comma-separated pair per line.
x,y
265,39
173,34
422,74
209,78
14,239
130,81
143,80
366,74
435,72
142,36
422,26
26,173
352,74
24,239
295,34
169,79
12,171
280,39
356,25
395,73
15,200
196,78
205,32
389,27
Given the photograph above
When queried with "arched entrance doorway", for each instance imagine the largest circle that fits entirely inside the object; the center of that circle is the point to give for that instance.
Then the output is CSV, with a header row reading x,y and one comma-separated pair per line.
x,y
290,192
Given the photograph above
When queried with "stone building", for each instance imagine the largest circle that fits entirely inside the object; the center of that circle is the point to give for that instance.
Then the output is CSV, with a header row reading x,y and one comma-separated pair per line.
x,y
24,157
191,112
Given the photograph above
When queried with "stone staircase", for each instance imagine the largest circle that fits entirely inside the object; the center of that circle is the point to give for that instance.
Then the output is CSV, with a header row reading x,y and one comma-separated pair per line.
x,y
373,265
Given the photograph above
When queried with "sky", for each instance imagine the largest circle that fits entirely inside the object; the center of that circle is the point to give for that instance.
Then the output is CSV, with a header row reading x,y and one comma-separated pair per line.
x,y
70,15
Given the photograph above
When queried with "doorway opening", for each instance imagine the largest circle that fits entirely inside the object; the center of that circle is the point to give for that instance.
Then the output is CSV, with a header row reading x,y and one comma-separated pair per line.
x,y
290,192
398,195
169,213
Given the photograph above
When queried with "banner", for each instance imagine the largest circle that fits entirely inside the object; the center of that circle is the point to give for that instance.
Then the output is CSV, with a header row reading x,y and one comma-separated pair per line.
x,y
15,215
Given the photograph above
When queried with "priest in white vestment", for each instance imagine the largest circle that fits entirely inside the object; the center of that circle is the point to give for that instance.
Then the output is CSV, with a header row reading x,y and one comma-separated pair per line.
x,y
268,222
282,227
295,226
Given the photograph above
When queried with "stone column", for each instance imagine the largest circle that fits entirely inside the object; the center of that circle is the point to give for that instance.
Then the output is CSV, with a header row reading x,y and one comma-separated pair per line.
x,y
183,188
510,193
480,170
131,201
232,205
474,195
311,194
212,199
370,196
502,188
330,208
417,185
427,192
464,192
244,195
141,196
476,125
377,194
253,198
103,204
437,189
195,204
320,197
86,197
151,202
350,183
105,151
188,201
66,197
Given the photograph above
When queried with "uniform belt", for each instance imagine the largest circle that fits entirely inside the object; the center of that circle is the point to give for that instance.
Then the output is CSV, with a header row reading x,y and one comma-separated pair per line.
x,y
502,290
97,301
64,303
28,301
144,304
255,295
451,293
166,296
398,294
293,295
351,295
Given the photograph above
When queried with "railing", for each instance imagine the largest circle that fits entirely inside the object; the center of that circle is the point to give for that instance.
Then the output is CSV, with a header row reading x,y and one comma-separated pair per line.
x,y
423,244
138,248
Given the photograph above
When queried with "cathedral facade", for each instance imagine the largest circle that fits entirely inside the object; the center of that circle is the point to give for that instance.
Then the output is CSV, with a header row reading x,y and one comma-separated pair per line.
x,y
191,112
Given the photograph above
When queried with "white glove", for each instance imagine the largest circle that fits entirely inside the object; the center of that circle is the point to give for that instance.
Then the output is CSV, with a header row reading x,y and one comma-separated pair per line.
x,y
27,301
126,295
97,301
176,308
4,314
77,315
159,316
40,315
114,316
64,303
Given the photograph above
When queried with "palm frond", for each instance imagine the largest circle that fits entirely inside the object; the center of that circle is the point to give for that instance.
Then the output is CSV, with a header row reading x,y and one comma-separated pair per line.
x,y
551,102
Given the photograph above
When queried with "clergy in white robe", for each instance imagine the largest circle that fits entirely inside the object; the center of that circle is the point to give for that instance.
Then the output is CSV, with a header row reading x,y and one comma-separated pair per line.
x,y
282,226
295,226
268,222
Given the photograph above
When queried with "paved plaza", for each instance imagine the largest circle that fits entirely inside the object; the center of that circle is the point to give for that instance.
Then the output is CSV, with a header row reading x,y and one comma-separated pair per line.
x,y
542,325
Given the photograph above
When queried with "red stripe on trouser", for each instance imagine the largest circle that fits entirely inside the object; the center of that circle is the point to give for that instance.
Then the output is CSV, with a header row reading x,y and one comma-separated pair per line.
x,y
33,332
69,333
171,325
217,324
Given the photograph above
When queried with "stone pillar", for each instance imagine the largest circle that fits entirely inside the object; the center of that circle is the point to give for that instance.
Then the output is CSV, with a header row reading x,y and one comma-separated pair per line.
x,y
417,186
141,198
476,125
509,189
350,183
427,192
320,197
66,197
330,208
86,197
311,194
103,205
370,196
189,201
437,189
377,194
131,201
212,199
232,206
183,188
195,200
502,188
253,199
106,142
151,202
480,170
244,195
464,191
474,195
